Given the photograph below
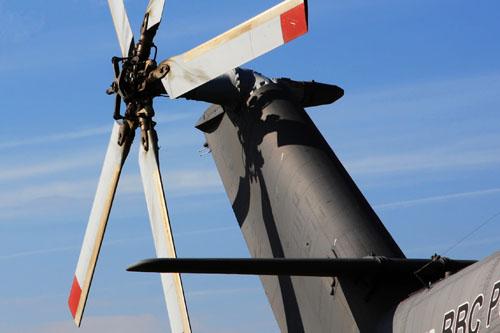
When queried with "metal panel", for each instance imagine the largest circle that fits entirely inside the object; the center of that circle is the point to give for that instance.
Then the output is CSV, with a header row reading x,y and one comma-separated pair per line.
x,y
467,301
294,199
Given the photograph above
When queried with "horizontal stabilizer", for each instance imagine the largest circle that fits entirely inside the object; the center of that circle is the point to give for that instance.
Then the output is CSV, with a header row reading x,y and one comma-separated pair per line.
x,y
300,267
312,93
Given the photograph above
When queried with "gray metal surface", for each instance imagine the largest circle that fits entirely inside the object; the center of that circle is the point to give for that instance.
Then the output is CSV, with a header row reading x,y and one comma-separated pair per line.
x,y
464,302
293,198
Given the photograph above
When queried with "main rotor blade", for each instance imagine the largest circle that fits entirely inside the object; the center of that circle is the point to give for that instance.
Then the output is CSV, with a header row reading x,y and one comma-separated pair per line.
x,y
122,26
155,11
261,34
162,233
111,169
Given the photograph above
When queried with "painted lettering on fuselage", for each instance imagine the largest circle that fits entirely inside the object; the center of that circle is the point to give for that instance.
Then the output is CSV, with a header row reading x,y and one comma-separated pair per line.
x,y
466,318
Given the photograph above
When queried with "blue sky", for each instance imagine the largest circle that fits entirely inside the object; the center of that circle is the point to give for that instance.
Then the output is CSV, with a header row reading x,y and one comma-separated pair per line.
x,y
418,128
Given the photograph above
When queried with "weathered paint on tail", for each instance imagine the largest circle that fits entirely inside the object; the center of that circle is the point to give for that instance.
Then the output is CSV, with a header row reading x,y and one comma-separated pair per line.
x,y
293,198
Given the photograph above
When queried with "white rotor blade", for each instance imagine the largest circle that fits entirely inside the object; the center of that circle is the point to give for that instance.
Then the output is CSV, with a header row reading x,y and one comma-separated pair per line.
x,y
261,34
113,162
162,234
122,26
155,10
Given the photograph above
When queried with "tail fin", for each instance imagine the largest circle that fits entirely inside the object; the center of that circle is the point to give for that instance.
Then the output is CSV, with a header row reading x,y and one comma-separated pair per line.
x,y
293,199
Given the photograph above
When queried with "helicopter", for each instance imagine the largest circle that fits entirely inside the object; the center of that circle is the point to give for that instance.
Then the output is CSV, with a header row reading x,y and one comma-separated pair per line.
x,y
285,184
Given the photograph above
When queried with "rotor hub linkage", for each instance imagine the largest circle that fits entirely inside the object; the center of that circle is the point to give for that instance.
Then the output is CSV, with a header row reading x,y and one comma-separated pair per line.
x,y
139,79
143,119
137,82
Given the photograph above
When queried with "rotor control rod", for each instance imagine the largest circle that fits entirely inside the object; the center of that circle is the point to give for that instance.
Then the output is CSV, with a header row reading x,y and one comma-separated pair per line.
x,y
143,47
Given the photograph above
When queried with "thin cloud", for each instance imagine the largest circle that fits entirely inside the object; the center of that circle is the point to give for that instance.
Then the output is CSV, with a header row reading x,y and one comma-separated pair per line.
x,y
460,100
434,159
204,231
192,179
87,132
69,163
29,300
166,117
114,242
462,245
177,183
57,137
435,199
426,96
38,252
19,197
124,324
221,291
425,100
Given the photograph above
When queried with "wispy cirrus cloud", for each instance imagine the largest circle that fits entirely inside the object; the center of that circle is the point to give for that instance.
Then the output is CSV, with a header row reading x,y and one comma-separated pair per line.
x,y
87,132
204,231
192,180
78,134
458,129
453,114
213,292
177,183
443,248
38,252
16,197
114,242
52,167
436,199
447,94
138,323
431,159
